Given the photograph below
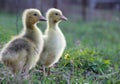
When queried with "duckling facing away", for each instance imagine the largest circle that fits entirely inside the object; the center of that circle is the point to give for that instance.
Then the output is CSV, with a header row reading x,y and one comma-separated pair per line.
x,y
54,40
22,52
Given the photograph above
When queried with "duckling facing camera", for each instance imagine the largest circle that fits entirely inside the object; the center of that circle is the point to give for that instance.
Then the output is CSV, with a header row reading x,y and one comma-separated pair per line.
x,y
22,52
54,40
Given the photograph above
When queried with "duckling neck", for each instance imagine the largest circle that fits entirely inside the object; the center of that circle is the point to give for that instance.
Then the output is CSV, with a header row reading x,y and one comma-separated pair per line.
x,y
31,32
28,25
52,24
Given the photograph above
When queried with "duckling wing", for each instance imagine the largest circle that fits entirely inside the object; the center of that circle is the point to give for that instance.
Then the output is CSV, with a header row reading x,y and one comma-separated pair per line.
x,y
14,53
16,46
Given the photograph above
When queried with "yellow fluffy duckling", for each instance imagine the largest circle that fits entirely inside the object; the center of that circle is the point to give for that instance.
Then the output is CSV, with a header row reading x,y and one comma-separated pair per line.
x,y
54,40
22,52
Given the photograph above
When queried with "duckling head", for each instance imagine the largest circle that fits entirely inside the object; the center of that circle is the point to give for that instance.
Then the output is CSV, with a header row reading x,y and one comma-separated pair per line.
x,y
32,16
55,15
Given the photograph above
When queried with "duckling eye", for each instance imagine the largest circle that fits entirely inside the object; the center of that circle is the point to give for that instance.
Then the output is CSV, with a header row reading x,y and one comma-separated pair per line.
x,y
35,14
56,13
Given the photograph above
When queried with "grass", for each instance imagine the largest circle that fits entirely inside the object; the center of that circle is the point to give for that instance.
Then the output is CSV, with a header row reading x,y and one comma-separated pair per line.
x,y
91,56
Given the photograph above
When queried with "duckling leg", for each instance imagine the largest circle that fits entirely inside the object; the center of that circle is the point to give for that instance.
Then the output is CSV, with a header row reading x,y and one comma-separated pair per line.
x,y
27,66
49,72
44,71
25,73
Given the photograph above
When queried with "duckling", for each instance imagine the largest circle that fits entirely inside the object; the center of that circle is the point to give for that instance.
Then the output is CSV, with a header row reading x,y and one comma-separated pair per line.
x,y
22,52
54,40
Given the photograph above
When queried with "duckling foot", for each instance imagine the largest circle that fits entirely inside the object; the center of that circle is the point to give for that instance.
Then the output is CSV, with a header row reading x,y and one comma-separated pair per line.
x,y
25,74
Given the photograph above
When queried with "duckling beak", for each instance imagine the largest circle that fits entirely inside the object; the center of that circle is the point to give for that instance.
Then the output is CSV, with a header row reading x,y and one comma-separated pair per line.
x,y
63,18
42,18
